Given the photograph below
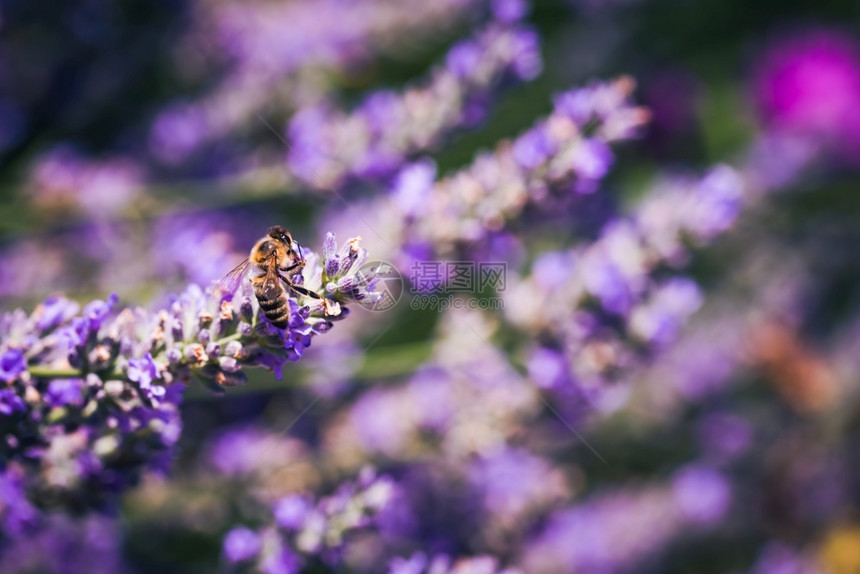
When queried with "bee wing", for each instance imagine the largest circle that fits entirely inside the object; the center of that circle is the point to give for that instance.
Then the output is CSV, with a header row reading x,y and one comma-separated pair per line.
x,y
271,282
227,285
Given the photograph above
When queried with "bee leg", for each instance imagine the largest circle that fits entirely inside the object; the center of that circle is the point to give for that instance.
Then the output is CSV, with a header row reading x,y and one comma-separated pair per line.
x,y
297,265
299,289
304,291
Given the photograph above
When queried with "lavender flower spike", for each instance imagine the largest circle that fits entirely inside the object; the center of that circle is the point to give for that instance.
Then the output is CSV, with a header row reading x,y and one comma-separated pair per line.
x,y
619,312
613,530
418,563
329,146
304,531
272,46
89,398
567,151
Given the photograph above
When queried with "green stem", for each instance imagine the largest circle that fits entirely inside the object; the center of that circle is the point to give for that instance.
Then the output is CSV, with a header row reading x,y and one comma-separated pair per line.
x,y
234,337
42,372
50,373
393,361
382,363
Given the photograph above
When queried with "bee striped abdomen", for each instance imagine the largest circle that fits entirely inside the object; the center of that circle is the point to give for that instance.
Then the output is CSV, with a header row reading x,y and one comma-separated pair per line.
x,y
273,302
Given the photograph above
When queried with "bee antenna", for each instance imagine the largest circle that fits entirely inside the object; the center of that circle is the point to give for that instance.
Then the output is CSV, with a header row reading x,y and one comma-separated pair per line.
x,y
302,257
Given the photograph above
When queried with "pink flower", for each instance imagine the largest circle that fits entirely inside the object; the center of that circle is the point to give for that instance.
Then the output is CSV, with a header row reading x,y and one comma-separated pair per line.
x,y
809,84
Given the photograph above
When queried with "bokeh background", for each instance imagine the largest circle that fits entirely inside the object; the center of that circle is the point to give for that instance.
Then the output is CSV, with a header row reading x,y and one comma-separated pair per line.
x,y
147,144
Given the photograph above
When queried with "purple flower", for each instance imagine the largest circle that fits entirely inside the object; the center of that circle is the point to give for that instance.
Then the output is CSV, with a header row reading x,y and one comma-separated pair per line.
x,y
810,84
101,187
241,544
528,63
380,109
62,392
553,269
330,261
413,184
551,158
584,346
60,543
660,318
778,558
73,335
534,148
12,364
17,515
281,561
87,438
55,309
591,161
513,482
703,494
304,529
297,336
290,512
10,402
96,312
463,59
509,11
612,531
576,105
258,58
548,368
143,371
215,235
379,422
606,280
374,141
176,132
716,203
443,564
415,564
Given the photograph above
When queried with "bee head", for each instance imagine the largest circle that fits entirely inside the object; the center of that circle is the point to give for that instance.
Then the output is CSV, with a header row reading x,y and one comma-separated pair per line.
x,y
281,234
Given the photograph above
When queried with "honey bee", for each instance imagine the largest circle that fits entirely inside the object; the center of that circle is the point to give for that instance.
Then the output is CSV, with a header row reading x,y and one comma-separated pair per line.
x,y
273,260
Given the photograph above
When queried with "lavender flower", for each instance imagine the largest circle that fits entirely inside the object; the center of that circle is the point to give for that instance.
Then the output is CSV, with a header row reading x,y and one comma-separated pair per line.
x,y
219,238
91,398
779,558
270,48
247,451
62,178
509,10
465,401
329,146
514,486
619,528
616,311
12,364
568,150
304,530
419,563
73,545
291,511
702,494
241,544
128,258
18,516
340,275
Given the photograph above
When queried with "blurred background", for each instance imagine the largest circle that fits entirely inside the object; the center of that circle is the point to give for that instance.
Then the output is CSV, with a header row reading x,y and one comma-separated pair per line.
x,y
145,145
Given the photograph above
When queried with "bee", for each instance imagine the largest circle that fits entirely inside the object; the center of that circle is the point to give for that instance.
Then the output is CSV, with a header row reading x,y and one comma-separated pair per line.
x,y
273,260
